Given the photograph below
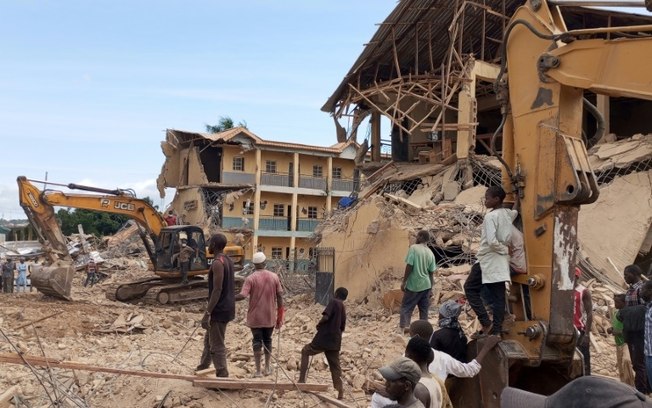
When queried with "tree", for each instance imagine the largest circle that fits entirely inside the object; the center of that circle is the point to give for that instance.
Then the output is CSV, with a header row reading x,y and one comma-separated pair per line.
x,y
225,123
94,222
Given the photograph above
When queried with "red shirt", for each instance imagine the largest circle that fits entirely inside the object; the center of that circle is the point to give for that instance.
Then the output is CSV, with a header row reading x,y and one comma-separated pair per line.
x,y
578,307
262,286
171,220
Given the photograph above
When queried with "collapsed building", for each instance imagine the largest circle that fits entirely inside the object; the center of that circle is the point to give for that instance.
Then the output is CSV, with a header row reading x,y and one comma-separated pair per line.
x,y
430,70
265,195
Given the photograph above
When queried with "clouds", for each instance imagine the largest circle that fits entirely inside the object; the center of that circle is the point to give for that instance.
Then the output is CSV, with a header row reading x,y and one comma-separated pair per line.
x,y
11,209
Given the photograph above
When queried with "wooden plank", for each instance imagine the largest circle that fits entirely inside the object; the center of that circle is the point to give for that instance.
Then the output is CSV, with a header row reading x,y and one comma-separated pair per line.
x,y
330,400
13,358
206,371
242,384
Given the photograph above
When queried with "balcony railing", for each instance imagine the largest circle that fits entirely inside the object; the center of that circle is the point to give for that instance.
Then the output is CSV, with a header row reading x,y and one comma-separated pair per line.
x,y
347,185
238,178
307,224
274,224
317,183
276,179
237,222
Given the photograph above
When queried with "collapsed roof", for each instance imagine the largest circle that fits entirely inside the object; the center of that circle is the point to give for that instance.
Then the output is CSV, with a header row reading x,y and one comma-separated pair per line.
x,y
417,61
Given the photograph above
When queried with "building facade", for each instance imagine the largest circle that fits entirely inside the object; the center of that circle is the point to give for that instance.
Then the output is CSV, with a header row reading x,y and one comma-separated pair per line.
x,y
266,195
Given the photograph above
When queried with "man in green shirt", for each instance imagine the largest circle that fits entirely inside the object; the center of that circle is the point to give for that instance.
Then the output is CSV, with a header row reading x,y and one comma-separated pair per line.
x,y
418,280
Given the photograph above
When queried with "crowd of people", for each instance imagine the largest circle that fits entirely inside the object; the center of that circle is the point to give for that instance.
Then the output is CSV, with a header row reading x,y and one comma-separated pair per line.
x,y
417,379
14,275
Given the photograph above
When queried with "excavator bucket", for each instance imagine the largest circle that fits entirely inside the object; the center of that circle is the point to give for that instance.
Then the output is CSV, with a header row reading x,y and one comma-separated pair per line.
x,y
54,280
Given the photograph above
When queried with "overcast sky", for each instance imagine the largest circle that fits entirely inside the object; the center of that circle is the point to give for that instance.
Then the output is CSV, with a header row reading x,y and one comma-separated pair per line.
x,y
87,88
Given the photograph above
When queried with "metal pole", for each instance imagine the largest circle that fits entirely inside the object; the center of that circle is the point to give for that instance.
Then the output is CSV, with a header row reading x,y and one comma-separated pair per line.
x,y
597,3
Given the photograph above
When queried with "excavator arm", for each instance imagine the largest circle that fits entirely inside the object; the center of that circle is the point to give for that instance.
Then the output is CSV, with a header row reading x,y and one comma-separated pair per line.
x,y
546,70
39,206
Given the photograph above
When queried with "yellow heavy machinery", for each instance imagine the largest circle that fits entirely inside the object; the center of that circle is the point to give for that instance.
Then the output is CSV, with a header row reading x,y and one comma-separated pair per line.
x,y
545,73
161,242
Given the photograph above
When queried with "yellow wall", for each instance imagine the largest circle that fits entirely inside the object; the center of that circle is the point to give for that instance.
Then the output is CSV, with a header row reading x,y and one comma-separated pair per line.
x,y
306,163
283,160
189,205
306,244
269,242
347,167
237,206
229,152
274,198
311,201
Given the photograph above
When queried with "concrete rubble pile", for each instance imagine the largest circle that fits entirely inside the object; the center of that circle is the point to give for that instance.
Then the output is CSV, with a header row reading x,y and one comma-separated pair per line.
x,y
370,240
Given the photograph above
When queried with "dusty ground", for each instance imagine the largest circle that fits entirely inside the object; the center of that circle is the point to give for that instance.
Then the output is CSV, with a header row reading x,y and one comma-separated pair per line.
x,y
370,341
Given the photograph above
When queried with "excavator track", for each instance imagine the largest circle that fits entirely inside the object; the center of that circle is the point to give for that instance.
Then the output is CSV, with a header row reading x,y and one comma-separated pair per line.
x,y
175,293
157,290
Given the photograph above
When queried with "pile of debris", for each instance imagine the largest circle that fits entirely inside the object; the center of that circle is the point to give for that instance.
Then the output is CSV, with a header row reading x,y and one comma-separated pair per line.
x,y
372,237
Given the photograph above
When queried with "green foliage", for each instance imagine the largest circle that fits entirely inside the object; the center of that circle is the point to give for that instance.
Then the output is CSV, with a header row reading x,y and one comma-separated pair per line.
x,y
94,222
225,123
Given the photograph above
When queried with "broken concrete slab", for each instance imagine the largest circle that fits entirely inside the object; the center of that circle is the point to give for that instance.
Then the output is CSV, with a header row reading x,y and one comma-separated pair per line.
x,y
617,223
621,153
360,258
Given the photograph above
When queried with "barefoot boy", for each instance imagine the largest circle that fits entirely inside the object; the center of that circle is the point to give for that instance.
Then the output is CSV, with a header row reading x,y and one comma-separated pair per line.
x,y
328,340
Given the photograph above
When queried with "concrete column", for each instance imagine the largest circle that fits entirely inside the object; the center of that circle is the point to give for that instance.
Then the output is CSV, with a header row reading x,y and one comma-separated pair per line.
x,y
295,195
467,114
603,107
254,241
295,204
295,183
375,136
329,183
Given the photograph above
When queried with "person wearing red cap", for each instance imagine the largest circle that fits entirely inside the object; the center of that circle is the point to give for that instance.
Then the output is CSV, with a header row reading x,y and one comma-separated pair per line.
x,y
583,319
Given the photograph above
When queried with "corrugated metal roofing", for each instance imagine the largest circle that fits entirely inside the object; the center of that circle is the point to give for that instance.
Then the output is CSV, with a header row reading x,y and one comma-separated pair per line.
x,y
415,24
420,28
229,135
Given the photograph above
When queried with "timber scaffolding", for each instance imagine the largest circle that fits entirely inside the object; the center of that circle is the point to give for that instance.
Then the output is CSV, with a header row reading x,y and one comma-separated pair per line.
x,y
430,69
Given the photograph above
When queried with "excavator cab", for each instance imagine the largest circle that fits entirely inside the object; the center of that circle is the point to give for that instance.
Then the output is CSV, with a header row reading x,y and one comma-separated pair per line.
x,y
169,243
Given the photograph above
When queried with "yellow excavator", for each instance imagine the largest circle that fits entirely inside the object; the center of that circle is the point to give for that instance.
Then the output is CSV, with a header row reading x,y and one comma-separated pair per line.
x,y
161,242
545,72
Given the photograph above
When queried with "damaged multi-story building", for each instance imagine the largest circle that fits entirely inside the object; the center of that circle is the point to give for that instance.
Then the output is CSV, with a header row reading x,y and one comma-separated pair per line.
x,y
265,195
429,70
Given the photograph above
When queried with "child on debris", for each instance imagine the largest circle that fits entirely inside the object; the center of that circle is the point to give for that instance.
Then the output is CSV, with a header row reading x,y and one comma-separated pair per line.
x,y
616,324
633,318
492,269
646,294
91,273
328,340
450,337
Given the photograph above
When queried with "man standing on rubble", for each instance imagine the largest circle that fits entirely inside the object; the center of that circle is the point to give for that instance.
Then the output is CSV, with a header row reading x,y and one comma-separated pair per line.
x,y
21,267
492,269
418,280
634,320
265,309
8,276
221,306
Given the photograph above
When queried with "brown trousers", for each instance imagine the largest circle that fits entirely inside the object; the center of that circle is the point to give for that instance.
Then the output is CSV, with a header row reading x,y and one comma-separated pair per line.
x,y
333,358
215,349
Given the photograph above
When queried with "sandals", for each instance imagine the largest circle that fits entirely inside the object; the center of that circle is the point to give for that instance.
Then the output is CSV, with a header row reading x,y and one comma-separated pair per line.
x,y
484,332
